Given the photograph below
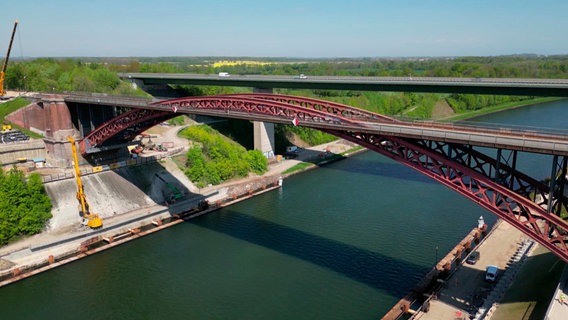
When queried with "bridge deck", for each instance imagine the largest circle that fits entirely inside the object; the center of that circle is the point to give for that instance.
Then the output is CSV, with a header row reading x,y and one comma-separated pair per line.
x,y
497,86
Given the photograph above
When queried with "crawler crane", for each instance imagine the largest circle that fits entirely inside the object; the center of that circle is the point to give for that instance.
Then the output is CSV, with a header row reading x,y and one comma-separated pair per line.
x,y
93,220
5,65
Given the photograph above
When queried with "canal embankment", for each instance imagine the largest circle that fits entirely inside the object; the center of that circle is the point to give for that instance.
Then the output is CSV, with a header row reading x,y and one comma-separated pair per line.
x,y
134,204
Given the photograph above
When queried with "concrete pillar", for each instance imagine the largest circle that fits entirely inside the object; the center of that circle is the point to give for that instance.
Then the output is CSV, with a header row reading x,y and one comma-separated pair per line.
x,y
264,138
264,132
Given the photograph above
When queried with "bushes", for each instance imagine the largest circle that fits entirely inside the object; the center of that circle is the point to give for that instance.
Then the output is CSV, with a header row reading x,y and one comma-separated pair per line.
x,y
470,102
24,205
214,159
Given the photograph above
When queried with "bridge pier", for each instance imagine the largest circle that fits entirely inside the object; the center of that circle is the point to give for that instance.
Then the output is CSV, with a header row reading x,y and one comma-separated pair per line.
x,y
264,132
51,118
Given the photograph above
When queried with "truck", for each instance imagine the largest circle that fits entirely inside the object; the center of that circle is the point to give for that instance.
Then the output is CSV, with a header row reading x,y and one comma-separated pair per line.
x,y
224,74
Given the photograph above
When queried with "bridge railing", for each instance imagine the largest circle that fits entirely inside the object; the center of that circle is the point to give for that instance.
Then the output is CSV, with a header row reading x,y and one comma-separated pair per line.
x,y
106,99
491,128
112,166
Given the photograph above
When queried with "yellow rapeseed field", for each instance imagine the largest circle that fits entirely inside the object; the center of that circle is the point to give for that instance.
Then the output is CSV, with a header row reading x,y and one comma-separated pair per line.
x,y
226,63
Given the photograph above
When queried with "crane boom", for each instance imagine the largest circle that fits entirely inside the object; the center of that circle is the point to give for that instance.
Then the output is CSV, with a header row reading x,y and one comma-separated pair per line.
x,y
93,220
5,65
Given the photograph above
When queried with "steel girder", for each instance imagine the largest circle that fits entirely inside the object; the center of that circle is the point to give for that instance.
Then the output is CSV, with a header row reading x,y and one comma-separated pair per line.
x,y
305,110
268,109
329,107
492,183
524,214
130,124
502,170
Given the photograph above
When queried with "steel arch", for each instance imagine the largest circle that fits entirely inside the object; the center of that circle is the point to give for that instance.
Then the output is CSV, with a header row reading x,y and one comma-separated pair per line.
x,y
321,105
499,188
267,109
306,111
529,217
130,124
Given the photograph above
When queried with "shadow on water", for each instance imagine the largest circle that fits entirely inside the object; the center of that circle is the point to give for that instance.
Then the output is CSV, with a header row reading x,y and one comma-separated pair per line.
x,y
373,269
389,169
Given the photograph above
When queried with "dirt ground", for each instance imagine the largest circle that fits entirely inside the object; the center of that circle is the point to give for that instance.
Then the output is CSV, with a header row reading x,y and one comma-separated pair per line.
x,y
442,110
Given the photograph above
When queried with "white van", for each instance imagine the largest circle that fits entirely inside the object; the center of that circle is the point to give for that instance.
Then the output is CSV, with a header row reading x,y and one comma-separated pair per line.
x,y
224,74
491,273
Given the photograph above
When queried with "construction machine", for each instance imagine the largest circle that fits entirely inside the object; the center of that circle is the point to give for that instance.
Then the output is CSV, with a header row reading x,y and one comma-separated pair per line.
x,y
92,219
5,65
176,194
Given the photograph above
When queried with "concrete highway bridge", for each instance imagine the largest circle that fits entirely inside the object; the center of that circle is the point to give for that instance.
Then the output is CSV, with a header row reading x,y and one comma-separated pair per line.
x,y
497,86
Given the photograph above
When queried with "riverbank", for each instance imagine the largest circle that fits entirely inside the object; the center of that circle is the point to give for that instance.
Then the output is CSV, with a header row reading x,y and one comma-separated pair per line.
x,y
498,108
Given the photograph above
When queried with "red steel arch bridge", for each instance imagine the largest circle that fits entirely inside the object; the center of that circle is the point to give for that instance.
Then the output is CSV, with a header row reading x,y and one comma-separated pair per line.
x,y
442,151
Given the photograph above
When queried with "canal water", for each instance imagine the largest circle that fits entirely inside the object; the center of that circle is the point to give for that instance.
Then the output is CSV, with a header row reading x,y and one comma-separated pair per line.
x,y
346,241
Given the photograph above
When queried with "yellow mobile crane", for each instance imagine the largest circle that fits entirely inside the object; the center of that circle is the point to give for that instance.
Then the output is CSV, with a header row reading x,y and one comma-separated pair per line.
x,y
5,65
93,219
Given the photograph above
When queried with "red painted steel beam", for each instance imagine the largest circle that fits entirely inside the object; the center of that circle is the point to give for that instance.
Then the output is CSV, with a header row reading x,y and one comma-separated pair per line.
x,y
333,113
261,107
485,165
472,182
320,105
116,125
533,220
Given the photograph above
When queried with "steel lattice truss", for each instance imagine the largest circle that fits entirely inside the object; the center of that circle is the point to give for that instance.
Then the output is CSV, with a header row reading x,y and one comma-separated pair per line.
x,y
266,109
526,215
502,171
127,125
320,105
285,108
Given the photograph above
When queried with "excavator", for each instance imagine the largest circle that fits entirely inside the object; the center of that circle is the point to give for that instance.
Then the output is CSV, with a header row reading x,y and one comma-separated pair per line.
x,y
5,65
176,194
92,219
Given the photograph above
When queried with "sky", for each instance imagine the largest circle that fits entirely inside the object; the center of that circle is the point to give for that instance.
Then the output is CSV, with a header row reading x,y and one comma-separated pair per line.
x,y
284,28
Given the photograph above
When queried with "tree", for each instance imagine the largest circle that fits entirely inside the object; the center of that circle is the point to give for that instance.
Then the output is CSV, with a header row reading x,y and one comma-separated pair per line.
x,y
24,205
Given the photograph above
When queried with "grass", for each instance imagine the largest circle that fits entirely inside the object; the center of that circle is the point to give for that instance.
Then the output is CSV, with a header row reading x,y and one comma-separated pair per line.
x,y
529,295
11,106
14,105
299,167
303,165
